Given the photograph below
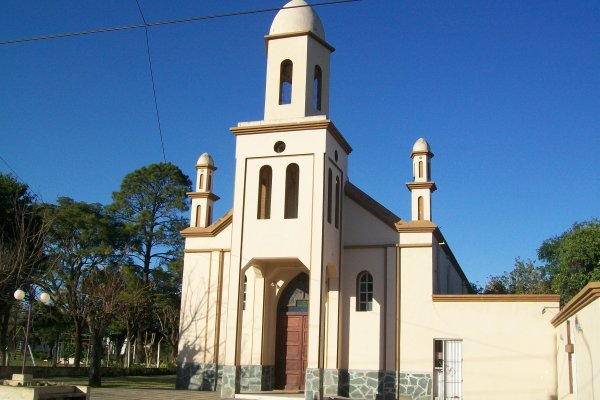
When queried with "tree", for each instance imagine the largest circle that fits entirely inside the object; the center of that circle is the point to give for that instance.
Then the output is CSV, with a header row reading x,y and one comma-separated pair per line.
x,y
23,229
83,239
150,202
101,292
525,278
573,258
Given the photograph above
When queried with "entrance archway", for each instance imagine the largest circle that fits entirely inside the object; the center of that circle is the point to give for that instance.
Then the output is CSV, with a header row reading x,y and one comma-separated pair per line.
x,y
292,335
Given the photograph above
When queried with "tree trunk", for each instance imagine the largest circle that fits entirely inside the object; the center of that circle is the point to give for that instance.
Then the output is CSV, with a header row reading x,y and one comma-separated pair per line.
x,y
4,317
78,340
94,372
139,347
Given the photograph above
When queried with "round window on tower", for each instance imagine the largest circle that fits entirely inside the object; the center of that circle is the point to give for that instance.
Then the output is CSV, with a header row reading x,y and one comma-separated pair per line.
x,y
279,147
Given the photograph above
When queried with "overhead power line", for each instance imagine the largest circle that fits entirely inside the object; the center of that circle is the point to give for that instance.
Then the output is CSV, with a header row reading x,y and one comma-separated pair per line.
x,y
168,22
162,143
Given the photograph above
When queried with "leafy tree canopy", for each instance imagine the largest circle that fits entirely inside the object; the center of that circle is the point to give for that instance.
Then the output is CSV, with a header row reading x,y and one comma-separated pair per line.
x,y
573,258
525,278
150,202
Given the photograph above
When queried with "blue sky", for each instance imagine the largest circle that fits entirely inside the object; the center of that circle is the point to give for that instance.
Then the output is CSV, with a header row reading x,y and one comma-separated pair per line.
x,y
506,92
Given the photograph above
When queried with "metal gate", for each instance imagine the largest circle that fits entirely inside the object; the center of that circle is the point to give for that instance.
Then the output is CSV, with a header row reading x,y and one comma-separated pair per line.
x,y
448,370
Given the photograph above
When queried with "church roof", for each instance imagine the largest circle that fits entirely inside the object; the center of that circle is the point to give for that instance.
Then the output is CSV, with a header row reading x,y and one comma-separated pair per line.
x,y
371,205
297,16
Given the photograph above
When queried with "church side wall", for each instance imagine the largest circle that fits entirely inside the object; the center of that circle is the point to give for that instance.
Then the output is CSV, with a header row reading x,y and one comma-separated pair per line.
x,y
205,279
506,345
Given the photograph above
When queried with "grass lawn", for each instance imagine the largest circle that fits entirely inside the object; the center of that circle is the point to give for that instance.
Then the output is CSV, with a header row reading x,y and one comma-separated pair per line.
x,y
156,381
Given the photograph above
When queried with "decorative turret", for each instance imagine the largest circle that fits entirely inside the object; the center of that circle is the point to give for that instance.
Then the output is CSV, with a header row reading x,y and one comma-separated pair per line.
x,y
203,198
421,187
297,64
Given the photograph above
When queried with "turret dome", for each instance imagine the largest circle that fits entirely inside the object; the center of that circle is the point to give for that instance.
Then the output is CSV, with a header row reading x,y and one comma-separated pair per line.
x,y
421,146
205,159
297,16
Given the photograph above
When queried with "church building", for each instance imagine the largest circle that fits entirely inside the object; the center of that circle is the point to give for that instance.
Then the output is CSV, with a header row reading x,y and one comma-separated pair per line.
x,y
310,286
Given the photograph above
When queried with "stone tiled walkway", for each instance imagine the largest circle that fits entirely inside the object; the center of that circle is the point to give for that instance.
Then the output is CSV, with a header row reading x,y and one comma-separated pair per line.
x,y
150,394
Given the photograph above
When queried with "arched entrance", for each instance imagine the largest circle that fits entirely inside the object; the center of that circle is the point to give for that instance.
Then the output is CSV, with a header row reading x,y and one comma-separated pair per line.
x,y
292,335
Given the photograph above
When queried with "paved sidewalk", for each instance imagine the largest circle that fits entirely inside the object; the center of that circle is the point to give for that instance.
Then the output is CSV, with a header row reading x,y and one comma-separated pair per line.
x,y
150,394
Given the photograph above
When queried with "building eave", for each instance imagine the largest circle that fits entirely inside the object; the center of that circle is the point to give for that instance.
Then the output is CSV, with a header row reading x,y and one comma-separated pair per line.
x,y
588,294
294,127
211,230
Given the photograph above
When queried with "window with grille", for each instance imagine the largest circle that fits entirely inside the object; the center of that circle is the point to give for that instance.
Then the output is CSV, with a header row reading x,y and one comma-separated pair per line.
x,y
364,292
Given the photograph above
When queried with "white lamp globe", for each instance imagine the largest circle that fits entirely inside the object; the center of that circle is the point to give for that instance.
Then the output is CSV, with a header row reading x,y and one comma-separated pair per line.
x,y
44,297
19,294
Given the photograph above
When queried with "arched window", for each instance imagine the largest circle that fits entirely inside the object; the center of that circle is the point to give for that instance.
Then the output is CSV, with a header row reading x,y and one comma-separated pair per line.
x,y
292,174
329,187
245,289
264,192
420,169
209,216
201,182
285,82
209,182
337,201
317,86
198,216
420,210
364,291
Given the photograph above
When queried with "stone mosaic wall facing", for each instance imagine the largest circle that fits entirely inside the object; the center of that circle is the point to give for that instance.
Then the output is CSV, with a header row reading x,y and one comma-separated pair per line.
x,y
380,385
231,381
320,383
417,385
313,384
254,378
205,377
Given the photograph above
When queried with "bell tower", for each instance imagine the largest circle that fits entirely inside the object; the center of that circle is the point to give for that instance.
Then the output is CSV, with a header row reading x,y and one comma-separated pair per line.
x,y
297,64
421,187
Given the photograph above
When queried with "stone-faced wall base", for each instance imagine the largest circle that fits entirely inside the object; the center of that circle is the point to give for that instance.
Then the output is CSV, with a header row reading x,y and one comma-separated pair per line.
x,y
418,385
375,385
206,377
231,381
313,385
255,378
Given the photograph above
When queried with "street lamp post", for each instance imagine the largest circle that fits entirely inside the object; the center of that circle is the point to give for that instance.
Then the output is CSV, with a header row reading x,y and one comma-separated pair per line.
x,y
20,295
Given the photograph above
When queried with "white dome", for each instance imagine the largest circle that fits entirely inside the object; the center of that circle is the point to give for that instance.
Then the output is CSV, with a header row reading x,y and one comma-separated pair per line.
x,y
205,159
421,146
299,19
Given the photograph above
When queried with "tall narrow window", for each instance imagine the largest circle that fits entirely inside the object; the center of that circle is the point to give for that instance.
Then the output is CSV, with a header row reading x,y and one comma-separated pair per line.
x,y
292,174
364,292
209,216
285,82
317,86
329,187
337,201
209,182
201,182
264,192
420,169
198,216
420,208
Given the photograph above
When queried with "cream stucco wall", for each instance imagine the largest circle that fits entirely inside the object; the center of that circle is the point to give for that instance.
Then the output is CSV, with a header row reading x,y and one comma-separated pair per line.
x,y
508,346
585,326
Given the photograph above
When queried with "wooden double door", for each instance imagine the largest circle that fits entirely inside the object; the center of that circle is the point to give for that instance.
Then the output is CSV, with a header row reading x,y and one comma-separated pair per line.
x,y
292,335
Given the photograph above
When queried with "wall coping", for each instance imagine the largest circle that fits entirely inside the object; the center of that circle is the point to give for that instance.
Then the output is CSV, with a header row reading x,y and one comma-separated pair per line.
x,y
587,295
494,298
